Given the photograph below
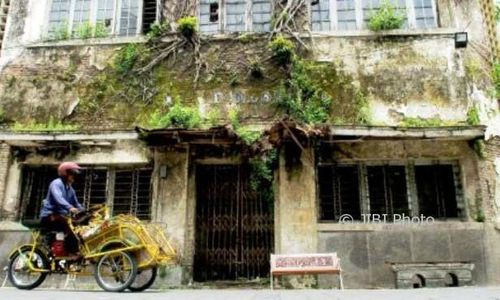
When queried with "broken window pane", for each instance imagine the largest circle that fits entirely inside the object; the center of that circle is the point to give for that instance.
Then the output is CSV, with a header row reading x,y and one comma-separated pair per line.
x,y
209,16
346,15
106,13
129,13
320,15
149,12
132,193
387,190
261,15
59,16
235,15
436,191
339,192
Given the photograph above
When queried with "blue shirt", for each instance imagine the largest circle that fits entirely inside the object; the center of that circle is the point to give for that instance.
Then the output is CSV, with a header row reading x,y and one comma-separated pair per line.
x,y
60,199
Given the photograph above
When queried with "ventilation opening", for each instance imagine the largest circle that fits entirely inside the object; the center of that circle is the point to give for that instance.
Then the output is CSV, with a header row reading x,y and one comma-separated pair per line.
x,y
214,12
149,15
418,281
451,280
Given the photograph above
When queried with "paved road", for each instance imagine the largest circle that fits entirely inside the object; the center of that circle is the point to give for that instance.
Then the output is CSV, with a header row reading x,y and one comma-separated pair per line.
x,y
209,294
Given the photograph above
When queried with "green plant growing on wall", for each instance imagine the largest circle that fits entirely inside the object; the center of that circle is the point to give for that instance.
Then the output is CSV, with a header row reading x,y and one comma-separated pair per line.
x,y
51,125
386,17
2,115
187,26
473,116
245,133
126,58
157,29
283,50
495,75
178,116
480,148
61,32
302,98
213,117
480,217
101,31
256,69
262,175
84,31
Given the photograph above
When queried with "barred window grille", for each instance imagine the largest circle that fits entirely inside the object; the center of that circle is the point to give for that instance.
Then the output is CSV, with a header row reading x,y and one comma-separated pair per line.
x,y
346,15
132,193
339,192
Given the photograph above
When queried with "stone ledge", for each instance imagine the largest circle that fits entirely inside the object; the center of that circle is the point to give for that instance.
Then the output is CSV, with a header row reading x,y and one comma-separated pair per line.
x,y
88,42
12,226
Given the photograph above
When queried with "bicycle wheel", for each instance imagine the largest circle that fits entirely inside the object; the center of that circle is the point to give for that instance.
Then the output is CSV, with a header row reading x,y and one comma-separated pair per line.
x,y
19,272
144,280
116,271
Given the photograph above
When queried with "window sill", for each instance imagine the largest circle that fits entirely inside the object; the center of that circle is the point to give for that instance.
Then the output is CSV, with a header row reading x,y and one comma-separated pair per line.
x,y
90,42
395,32
12,226
349,33
437,225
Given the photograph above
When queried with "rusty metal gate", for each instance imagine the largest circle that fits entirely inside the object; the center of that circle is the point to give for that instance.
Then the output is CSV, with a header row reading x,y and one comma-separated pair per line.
x,y
234,225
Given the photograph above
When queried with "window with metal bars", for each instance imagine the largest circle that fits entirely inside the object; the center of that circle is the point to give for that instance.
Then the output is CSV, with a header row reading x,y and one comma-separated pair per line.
x,y
358,189
132,193
436,189
387,190
339,192
130,189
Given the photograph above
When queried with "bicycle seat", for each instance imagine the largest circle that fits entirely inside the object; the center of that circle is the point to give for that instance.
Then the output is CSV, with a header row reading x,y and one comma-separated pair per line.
x,y
32,224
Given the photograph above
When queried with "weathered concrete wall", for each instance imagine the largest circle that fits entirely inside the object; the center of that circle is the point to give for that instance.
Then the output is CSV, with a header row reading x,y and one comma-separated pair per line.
x,y
366,254
4,168
170,203
295,207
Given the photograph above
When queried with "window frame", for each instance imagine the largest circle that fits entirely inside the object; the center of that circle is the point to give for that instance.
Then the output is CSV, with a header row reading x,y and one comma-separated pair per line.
x,y
411,186
222,22
360,24
110,186
115,24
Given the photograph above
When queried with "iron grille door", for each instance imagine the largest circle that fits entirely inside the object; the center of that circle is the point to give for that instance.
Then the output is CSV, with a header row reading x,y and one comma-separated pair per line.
x,y
234,225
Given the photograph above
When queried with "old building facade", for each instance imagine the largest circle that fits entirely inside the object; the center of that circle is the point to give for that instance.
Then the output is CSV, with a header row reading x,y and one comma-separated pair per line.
x,y
402,180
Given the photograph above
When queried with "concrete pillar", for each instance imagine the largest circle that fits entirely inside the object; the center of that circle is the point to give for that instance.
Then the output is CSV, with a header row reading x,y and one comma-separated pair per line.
x,y
295,209
4,170
170,203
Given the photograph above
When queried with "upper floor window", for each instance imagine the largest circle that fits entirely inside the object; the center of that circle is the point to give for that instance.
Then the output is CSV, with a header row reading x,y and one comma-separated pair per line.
x,y
329,15
235,15
98,18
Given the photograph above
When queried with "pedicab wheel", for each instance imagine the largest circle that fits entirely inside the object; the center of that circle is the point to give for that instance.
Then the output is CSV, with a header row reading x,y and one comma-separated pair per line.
x,y
144,279
19,273
116,271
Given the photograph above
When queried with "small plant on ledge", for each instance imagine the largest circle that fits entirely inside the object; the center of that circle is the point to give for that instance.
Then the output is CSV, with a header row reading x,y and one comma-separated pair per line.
x,y
386,17
187,26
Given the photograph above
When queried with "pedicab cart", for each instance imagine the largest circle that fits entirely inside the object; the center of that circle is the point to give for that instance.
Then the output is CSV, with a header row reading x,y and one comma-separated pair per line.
x,y
122,252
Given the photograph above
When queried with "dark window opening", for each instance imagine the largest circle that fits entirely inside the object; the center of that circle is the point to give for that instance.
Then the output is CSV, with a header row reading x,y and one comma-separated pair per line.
x,y
132,193
436,191
149,13
339,192
387,190
451,280
35,184
214,12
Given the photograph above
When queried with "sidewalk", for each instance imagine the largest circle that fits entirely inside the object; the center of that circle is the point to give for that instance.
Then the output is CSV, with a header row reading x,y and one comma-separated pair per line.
x,y
475,293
